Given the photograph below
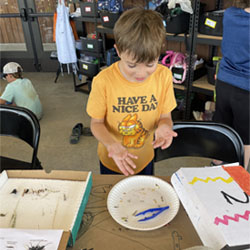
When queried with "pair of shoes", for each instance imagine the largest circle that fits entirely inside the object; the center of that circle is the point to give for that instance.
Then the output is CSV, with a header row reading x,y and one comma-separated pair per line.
x,y
76,133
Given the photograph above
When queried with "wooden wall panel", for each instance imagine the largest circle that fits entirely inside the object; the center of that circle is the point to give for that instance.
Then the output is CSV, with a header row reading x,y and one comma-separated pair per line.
x,y
46,23
14,28
3,31
9,24
128,4
175,46
90,28
15,25
209,4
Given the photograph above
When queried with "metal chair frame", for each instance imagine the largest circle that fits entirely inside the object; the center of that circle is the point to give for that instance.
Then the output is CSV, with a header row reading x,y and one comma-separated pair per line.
x,y
23,124
204,139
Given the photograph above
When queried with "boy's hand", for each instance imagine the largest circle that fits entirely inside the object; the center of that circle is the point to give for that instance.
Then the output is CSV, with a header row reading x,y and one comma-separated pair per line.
x,y
163,136
122,158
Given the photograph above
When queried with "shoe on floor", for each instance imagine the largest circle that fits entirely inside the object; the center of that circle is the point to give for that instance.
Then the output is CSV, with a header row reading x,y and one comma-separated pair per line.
x,y
76,133
86,131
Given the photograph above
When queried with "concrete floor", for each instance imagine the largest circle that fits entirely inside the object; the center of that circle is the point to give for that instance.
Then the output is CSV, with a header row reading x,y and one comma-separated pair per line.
x,y
63,109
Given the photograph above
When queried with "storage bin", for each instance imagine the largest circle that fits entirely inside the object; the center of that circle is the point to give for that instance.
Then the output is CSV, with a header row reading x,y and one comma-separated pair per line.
x,y
89,69
178,73
211,70
198,73
109,19
175,20
89,9
210,23
91,45
177,24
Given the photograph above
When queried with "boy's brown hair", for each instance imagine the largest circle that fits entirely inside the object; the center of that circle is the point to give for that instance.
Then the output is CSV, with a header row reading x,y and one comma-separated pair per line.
x,y
140,33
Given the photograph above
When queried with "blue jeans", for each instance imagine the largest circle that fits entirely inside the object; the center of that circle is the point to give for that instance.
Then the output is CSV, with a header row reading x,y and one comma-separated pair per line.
x,y
148,170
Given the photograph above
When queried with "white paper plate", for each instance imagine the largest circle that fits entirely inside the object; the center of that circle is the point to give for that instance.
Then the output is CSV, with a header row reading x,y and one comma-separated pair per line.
x,y
138,193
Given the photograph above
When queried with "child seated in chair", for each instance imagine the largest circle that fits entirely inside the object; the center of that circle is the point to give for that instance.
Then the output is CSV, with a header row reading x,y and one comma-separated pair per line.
x,y
131,101
20,91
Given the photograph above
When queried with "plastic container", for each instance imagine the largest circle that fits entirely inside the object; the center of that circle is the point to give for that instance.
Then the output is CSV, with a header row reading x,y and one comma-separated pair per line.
x,y
89,9
86,68
109,19
211,70
177,24
91,45
210,23
177,73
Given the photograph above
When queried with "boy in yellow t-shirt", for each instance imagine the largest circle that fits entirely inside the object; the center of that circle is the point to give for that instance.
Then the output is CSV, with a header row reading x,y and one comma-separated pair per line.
x,y
131,101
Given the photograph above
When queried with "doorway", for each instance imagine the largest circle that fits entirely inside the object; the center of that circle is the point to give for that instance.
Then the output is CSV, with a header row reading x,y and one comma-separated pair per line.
x,y
26,33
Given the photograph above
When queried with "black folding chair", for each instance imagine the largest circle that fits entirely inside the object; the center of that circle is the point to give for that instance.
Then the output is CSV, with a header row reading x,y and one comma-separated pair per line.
x,y
204,139
23,124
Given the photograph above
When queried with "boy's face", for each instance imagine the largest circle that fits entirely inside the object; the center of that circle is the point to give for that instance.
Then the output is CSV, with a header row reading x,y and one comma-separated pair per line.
x,y
135,72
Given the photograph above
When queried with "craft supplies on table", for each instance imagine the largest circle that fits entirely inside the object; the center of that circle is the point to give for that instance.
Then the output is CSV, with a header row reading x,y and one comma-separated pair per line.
x,y
137,193
39,200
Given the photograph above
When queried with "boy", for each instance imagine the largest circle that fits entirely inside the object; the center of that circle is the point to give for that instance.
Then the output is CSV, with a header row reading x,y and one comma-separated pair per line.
x,y
131,101
20,91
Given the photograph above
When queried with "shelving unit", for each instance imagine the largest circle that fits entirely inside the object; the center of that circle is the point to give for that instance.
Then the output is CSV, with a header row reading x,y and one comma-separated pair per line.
x,y
85,86
191,40
209,40
201,85
170,37
179,87
103,30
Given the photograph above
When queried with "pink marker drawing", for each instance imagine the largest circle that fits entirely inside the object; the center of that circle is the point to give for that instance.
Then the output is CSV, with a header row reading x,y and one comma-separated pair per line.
x,y
236,218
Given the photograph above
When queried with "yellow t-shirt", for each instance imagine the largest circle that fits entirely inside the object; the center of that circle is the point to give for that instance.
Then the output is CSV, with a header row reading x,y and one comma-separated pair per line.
x,y
131,111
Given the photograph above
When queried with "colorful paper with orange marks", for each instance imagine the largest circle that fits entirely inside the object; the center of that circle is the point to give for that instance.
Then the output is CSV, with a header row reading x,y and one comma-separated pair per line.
x,y
241,176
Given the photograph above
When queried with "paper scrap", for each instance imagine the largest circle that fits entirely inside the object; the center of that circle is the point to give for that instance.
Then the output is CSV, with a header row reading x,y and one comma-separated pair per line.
x,y
24,239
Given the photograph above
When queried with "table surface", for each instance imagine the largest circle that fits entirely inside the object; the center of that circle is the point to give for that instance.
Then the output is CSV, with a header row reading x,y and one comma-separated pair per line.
x,y
100,231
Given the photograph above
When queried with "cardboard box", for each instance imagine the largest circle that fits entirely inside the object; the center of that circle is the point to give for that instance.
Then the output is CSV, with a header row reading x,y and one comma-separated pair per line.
x,y
100,231
33,197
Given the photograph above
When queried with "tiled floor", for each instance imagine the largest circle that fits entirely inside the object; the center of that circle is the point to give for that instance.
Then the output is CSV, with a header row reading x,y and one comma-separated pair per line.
x,y
64,108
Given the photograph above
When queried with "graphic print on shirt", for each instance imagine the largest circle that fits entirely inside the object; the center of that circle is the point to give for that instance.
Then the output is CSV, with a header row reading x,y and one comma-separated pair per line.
x,y
135,104
132,130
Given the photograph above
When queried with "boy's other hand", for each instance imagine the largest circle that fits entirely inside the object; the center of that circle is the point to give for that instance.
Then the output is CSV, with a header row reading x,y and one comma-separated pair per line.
x,y
163,136
122,158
